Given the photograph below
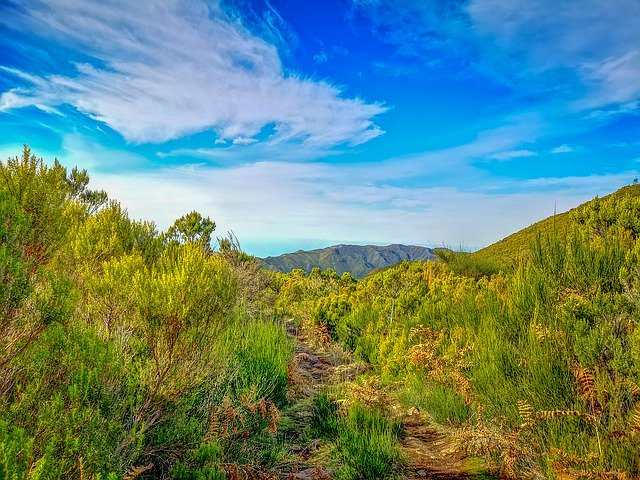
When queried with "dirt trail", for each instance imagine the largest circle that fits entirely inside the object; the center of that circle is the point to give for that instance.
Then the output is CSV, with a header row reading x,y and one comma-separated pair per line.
x,y
311,371
427,451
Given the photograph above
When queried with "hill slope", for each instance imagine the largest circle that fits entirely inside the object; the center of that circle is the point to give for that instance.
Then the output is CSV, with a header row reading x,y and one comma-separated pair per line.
x,y
511,247
355,259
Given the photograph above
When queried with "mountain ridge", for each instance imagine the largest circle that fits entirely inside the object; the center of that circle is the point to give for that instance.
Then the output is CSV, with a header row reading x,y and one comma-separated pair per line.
x,y
358,260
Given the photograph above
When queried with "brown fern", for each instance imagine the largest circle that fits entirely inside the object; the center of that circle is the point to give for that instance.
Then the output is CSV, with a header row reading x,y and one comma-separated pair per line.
x,y
571,460
135,472
550,414
634,419
585,380
526,412
633,388
274,417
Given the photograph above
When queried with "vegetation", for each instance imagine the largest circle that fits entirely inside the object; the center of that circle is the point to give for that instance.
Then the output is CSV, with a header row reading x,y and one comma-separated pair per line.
x,y
507,252
533,366
126,352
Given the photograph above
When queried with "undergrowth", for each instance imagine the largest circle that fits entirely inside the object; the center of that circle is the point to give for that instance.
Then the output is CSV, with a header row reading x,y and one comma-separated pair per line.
x,y
535,363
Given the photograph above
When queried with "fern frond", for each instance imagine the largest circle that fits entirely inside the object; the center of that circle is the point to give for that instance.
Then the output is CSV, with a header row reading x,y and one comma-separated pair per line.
x,y
566,459
526,412
634,418
633,388
586,383
135,472
550,414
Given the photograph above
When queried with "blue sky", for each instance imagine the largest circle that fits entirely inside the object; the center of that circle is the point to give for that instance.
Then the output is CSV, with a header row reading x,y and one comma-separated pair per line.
x,y
306,123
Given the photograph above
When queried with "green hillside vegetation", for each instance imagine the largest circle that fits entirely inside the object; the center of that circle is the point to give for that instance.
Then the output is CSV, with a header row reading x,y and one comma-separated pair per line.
x,y
536,369
358,260
511,248
127,353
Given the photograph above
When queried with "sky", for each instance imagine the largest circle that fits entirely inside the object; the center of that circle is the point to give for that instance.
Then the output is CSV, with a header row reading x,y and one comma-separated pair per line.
x,y
301,124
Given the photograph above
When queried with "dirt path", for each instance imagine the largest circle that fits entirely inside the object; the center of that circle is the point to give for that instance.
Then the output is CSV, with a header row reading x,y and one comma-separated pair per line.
x,y
312,369
427,450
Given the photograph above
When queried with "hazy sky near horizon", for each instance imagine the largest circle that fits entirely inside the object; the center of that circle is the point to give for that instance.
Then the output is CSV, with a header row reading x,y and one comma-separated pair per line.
x,y
305,123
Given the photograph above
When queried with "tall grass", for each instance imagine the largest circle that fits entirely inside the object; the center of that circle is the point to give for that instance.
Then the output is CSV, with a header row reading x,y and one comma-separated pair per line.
x,y
367,445
258,353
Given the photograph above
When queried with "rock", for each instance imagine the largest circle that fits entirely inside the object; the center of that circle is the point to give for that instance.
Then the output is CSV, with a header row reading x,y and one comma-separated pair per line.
x,y
306,474
308,357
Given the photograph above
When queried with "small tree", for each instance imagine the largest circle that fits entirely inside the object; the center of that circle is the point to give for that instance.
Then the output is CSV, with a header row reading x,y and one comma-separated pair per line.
x,y
192,228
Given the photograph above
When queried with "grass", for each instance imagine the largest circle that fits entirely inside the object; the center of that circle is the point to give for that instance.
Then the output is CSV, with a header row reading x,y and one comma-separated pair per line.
x,y
325,420
510,249
443,403
259,352
367,445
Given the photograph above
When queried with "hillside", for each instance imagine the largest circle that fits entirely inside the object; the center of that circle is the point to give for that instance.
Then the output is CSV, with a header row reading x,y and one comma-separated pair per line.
x,y
358,260
511,247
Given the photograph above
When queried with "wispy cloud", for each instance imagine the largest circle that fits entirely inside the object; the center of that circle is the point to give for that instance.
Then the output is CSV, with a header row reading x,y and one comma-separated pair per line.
x,y
431,31
587,53
511,154
167,69
595,40
454,164
562,149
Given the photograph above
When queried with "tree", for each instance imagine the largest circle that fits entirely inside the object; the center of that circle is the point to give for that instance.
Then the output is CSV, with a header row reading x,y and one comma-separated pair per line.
x,y
192,228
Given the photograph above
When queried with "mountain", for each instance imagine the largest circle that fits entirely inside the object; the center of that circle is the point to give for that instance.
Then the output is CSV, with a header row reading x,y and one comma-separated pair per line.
x,y
511,247
355,259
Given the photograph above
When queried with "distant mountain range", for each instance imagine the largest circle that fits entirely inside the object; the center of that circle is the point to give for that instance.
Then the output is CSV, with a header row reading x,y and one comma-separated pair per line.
x,y
358,260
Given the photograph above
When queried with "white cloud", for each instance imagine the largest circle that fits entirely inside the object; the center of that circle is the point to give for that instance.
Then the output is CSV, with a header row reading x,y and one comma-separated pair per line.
x,y
168,69
562,149
511,154
244,140
596,40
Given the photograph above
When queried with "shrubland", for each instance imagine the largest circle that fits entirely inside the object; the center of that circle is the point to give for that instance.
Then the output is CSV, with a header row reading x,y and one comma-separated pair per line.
x,y
128,352
125,351
532,364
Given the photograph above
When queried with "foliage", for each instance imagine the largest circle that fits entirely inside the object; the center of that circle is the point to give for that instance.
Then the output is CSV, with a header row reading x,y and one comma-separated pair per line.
x,y
508,251
120,346
535,364
126,352
366,445
192,228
